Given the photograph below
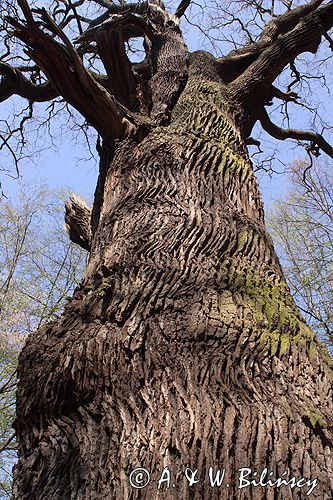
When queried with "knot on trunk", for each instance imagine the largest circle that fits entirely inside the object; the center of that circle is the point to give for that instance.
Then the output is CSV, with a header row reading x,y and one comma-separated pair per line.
x,y
78,221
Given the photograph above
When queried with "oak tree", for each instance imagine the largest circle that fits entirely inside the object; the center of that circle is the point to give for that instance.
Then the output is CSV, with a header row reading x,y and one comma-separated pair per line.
x,y
182,347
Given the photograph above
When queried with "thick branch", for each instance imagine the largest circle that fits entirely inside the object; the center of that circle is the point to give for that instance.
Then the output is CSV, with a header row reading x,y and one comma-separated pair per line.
x,y
237,61
64,68
14,82
110,39
300,135
133,24
287,22
182,7
167,56
118,68
284,96
137,8
253,88
26,11
326,17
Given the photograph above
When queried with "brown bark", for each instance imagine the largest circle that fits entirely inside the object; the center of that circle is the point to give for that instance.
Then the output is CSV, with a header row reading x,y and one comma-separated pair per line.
x,y
183,347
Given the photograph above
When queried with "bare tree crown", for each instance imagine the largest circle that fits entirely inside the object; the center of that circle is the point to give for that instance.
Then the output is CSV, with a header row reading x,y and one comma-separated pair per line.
x,y
76,52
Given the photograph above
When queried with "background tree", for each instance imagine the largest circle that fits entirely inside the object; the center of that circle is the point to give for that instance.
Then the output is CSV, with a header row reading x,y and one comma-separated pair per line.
x,y
182,346
302,227
39,269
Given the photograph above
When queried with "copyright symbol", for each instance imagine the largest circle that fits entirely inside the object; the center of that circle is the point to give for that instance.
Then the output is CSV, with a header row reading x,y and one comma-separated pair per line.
x,y
139,478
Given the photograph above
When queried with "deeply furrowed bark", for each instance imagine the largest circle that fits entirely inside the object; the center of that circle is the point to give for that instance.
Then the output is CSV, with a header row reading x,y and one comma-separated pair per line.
x,y
183,347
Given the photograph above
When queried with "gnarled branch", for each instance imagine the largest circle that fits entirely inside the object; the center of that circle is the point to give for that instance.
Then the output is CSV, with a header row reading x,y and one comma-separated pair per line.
x,y
110,39
64,68
182,7
300,135
14,82
284,96
132,23
253,87
287,21
237,61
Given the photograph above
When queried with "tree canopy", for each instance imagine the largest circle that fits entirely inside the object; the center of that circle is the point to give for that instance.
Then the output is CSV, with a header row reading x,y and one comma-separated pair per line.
x,y
77,56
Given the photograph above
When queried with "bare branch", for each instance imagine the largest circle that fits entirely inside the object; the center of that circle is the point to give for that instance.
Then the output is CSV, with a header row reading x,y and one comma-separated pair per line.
x,y
253,87
135,8
182,7
64,68
104,3
110,40
14,82
285,30
287,22
284,96
134,25
251,141
300,135
6,444
26,11
329,39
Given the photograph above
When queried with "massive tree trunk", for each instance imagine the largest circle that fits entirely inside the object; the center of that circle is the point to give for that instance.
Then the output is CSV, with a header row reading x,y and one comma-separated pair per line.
x,y
182,352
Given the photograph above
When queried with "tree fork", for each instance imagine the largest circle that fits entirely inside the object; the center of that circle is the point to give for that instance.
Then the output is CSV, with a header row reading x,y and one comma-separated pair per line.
x,y
64,67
